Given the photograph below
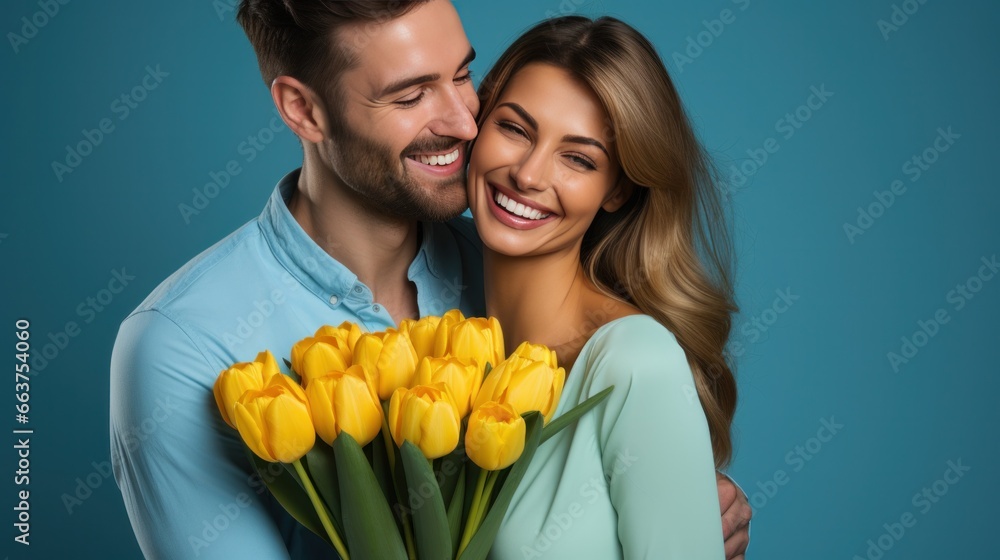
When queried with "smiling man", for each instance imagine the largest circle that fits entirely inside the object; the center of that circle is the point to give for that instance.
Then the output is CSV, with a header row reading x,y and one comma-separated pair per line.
x,y
380,96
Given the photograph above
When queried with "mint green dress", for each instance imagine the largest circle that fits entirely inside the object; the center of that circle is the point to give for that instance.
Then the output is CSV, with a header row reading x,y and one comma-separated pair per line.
x,y
635,477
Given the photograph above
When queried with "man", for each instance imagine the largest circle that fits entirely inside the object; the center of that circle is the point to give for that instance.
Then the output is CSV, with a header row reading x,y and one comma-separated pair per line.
x,y
380,96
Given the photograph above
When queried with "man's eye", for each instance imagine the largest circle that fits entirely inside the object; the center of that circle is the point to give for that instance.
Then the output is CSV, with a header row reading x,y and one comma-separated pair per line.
x,y
465,78
411,102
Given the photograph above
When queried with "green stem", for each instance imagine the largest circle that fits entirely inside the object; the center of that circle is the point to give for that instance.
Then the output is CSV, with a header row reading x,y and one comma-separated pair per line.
x,y
471,522
390,450
389,447
484,506
324,516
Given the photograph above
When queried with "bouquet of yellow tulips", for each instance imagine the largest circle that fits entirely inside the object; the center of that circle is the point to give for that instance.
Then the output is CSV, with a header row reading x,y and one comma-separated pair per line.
x,y
426,431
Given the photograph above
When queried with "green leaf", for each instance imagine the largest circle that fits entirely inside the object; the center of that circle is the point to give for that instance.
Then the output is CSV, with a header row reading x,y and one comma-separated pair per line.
x,y
369,527
456,511
289,493
572,415
481,543
322,466
380,466
448,469
430,522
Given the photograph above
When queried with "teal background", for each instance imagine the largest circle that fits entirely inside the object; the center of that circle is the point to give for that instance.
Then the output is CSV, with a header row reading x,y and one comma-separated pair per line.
x,y
823,358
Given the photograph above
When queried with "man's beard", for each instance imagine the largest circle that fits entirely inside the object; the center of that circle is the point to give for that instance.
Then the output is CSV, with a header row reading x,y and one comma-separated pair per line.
x,y
383,185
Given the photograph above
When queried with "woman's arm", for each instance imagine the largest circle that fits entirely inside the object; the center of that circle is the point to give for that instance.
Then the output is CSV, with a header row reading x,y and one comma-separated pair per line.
x,y
656,447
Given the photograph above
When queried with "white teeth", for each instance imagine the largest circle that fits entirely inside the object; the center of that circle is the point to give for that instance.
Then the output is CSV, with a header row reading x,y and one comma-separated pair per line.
x,y
446,159
518,208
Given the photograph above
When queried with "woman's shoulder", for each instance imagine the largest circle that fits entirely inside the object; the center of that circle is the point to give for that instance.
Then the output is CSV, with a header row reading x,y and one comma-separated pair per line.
x,y
634,345
631,332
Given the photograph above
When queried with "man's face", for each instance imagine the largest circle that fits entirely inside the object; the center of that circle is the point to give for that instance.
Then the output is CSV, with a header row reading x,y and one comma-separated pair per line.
x,y
399,139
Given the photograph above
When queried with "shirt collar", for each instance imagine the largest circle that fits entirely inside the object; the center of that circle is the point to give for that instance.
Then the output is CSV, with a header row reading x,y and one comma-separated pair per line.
x,y
325,276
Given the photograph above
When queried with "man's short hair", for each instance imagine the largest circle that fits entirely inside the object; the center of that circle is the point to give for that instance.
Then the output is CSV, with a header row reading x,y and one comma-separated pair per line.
x,y
298,38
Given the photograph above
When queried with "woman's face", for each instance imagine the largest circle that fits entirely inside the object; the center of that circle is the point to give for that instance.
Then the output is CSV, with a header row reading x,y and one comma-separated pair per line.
x,y
542,165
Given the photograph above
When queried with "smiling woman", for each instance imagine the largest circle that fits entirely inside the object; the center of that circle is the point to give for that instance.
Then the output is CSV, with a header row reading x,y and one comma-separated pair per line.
x,y
589,191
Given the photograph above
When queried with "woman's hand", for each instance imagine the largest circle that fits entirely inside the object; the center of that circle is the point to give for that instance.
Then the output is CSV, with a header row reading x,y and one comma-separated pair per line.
x,y
736,515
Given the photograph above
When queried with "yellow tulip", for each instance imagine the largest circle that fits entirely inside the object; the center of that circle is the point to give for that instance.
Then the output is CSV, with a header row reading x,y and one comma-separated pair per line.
x,y
275,421
422,334
241,377
461,378
537,352
524,384
426,416
347,330
316,356
475,340
345,401
389,357
495,436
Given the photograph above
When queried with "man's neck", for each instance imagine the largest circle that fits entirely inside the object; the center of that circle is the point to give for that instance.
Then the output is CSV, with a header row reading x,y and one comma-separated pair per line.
x,y
376,248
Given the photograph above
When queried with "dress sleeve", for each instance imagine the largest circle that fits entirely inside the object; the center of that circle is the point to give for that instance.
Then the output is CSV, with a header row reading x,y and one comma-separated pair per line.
x,y
182,471
655,445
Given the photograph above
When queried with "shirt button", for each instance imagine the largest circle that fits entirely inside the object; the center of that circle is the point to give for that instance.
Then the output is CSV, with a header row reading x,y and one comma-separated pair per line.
x,y
357,289
334,300
376,308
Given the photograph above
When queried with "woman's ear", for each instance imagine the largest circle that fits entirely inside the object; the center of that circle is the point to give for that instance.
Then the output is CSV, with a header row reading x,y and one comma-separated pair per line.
x,y
619,195
299,107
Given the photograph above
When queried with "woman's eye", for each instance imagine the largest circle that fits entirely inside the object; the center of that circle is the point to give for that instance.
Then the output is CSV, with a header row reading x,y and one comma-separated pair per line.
x,y
411,102
512,128
583,162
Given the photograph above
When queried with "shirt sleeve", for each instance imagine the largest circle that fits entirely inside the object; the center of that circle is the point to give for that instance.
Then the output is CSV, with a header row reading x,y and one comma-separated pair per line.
x,y
183,474
656,447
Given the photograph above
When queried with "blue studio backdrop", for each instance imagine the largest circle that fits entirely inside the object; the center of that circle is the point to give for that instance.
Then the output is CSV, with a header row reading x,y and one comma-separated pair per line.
x,y
857,141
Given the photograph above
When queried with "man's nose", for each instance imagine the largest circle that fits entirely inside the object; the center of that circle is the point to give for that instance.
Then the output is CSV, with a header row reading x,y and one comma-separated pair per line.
x,y
458,118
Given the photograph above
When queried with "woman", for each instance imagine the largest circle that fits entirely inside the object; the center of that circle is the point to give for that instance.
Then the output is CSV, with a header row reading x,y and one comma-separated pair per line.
x,y
599,221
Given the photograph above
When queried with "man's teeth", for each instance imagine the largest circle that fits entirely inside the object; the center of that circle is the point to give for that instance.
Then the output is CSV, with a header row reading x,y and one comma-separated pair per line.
x,y
446,159
517,208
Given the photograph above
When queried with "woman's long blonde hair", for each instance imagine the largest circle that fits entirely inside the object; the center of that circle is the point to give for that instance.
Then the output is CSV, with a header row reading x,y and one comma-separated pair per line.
x,y
667,251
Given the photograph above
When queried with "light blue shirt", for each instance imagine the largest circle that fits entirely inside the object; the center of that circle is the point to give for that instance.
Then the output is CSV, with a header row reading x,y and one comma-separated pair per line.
x,y
635,477
182,471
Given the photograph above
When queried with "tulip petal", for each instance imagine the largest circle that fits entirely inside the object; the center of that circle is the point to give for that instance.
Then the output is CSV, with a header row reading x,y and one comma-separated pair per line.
x,y
322,409
269,366
290,428
439,428
251,430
